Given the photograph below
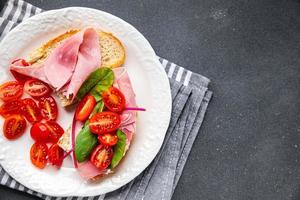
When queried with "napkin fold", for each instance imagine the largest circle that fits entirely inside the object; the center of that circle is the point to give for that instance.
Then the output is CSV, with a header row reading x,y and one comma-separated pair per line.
x,y
190,97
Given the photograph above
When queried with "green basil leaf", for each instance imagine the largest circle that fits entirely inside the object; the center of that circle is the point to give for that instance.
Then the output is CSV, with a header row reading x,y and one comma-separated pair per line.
x,y
85,143
98,108
119,149
97,95
103,84
99,88
102,76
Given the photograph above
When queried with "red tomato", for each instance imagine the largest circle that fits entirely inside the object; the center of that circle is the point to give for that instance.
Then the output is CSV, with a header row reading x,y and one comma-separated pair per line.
x,y
38,154
11,90
108,139
14,126
36,88
85,107
102,156
48,108
31,111
39,132
56,131
56,155
20,77
11,107
114,99
104,122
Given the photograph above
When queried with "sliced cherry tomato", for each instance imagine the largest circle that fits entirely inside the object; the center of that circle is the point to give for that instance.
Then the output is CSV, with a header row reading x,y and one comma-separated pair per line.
x,y
85,107
48,108
39,132
102,156
114,99
36,88
56,155
56,131
11,107
11,90
20,63
104,122
39,154
108,139
14,126
31,111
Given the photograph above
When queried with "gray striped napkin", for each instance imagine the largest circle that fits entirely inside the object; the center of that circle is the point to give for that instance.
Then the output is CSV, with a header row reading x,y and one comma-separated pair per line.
x,y
190,100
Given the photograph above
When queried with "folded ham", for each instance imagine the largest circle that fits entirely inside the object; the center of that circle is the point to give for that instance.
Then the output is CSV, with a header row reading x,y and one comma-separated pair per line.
x,y
34,71
88,59
69,64
128,117
88,171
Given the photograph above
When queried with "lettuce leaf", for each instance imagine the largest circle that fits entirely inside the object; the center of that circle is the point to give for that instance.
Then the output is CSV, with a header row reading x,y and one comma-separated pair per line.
x,y
102,77
119,149
85,143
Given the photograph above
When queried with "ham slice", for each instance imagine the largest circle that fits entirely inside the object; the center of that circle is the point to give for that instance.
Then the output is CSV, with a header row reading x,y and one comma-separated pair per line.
x,y
34,71
60,64
128,117
89,58
88,171
69,64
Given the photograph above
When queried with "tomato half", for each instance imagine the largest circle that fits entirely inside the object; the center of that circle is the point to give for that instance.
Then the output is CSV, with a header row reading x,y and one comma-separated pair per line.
x,y
14,126
114,99
104,122
11,107
11,90
102,156
39,132
48,108
31,111
36,88
56,155
39,154
108,139
55,131
84,108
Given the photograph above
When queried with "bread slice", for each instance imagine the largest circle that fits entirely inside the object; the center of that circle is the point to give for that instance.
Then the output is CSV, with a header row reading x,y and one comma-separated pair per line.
x,y
112,53
112,50
65,140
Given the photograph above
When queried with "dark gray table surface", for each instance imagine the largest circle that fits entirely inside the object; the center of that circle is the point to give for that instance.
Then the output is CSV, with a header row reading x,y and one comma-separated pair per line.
x,y
249,145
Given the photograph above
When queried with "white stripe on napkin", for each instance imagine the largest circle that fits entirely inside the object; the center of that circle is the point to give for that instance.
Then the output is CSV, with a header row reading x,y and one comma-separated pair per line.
x,y
187,78
8,10
6,29
171,70
18,11
28,11
179,74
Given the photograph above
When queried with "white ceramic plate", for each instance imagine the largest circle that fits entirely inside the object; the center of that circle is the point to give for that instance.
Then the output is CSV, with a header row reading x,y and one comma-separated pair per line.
x,y
149,81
